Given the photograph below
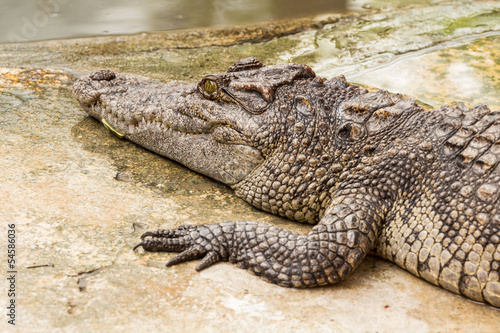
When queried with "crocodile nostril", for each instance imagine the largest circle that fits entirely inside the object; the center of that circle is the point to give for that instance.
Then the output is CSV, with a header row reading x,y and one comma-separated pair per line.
x,y
103,75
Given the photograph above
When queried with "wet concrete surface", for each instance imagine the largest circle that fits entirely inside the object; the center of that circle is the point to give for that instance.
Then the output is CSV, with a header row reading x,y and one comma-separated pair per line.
x,y
80,199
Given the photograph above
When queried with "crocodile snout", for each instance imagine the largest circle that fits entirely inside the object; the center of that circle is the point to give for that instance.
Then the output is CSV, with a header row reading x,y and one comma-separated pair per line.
x,y
88,89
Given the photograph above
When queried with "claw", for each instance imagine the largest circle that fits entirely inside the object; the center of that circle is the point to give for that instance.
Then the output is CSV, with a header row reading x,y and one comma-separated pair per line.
x,y
140,244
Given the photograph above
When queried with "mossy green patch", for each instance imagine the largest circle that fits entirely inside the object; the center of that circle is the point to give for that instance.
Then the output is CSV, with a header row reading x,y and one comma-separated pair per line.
x,y
192,64
470,22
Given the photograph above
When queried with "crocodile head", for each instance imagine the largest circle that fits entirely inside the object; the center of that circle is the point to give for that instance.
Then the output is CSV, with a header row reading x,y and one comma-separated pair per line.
x,y
223,126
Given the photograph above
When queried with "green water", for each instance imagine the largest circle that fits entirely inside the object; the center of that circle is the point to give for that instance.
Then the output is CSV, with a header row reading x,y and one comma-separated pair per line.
x,y
50,19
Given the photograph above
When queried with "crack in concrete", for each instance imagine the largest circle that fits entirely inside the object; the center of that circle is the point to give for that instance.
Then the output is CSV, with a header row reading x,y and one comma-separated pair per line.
x,y
82,281
39,266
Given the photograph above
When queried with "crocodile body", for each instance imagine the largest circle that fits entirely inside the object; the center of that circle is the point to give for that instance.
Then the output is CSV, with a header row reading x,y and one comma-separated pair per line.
x,y
376,173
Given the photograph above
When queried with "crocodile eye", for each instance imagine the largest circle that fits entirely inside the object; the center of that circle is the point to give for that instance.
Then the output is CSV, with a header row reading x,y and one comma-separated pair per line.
x,y
210,87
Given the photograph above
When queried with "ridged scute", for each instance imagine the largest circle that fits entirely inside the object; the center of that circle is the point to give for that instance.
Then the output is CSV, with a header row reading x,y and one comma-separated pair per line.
x,y
472,138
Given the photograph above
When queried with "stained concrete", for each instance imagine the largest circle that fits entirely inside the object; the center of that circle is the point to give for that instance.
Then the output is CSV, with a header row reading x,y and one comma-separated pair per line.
x,y
80,199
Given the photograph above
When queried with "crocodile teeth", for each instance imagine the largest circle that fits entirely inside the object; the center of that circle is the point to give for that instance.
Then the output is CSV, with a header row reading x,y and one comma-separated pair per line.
x,y
161,127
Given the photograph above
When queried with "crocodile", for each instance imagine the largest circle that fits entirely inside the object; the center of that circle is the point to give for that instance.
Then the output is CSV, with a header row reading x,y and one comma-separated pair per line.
x,y
374,172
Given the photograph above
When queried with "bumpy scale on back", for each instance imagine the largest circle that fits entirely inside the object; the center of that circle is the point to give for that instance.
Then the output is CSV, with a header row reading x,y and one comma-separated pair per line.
x,y
376,172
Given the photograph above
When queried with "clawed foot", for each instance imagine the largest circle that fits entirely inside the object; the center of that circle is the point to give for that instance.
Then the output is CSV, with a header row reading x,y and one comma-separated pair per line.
x,y
193,242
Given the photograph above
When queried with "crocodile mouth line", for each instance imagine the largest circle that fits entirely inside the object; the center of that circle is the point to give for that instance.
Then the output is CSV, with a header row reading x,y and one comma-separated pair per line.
x,y
113,123
132,128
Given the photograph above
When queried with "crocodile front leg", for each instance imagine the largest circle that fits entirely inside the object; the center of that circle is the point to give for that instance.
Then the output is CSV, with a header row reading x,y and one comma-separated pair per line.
x,y
326,255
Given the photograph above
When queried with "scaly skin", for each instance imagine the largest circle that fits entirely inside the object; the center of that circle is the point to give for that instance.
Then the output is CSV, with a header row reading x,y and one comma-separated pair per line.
x,y
375,173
